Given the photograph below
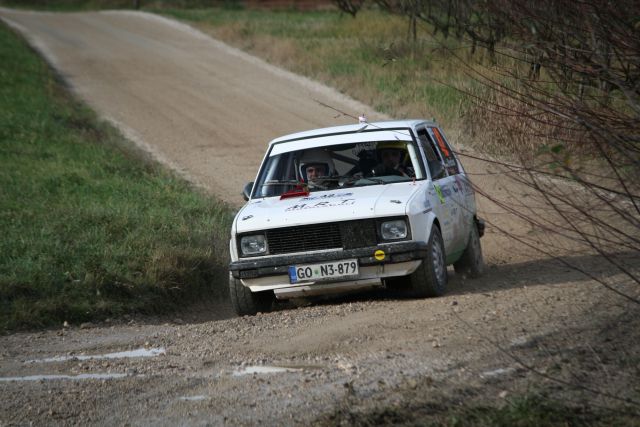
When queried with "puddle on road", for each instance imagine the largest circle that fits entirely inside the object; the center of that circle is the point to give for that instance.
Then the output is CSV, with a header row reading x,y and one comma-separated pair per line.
x,y
140,352
63,377
193,398
250,370
497,372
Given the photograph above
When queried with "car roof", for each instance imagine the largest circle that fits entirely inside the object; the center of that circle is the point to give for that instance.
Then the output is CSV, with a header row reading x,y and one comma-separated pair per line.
x,y
390,124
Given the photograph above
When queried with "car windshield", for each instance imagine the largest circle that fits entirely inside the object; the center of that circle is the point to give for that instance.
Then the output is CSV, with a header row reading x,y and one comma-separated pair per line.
x,y
338,166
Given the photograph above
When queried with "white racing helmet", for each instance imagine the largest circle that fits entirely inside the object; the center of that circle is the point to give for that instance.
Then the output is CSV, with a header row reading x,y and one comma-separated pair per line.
x,y
316,156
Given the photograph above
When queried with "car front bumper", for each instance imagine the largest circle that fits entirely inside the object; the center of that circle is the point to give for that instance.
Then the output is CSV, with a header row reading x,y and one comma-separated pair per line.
x,y
375,263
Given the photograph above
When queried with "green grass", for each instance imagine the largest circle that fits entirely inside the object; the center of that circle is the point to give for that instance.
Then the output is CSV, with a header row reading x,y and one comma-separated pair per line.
x,y
89,230
526,410
537,410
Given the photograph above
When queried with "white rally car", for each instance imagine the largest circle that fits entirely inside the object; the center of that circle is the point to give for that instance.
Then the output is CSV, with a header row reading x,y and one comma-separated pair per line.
x,y
353,207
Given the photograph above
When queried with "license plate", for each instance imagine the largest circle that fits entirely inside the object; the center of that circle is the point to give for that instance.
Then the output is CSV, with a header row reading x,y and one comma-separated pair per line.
x,y
324,271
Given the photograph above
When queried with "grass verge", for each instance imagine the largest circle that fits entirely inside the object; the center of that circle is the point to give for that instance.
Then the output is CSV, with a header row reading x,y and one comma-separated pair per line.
x,y
88,229
526,410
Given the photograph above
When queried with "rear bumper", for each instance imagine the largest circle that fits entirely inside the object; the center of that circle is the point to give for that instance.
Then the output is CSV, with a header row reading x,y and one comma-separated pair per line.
x,y
271,273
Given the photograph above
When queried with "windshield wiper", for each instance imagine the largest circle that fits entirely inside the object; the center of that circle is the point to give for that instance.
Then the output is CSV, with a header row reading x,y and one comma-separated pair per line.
x,y
376,180
350,179
276,182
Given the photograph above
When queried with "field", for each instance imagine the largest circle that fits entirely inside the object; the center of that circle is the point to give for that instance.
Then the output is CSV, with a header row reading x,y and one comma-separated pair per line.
x,y
91,230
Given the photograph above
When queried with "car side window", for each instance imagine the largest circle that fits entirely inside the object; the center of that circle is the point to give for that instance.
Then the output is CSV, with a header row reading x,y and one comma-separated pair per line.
x,y
434,161
449,160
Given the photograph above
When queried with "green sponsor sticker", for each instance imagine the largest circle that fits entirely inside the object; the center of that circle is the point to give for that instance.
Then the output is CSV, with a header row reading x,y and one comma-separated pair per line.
x,y
439,191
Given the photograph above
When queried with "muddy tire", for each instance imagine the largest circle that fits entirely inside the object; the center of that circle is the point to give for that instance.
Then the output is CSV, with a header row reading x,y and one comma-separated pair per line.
x,y
430,279
471,263
247,303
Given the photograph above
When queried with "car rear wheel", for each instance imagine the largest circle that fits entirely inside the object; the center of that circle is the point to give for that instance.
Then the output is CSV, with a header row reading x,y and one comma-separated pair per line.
x,y
471,263
247,303
430,279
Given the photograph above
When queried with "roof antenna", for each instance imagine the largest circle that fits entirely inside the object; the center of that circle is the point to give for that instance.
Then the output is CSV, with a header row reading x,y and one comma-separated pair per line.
x,y
363,121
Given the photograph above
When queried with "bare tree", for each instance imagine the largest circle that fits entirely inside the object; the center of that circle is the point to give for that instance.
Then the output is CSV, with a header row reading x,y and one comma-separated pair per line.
x,y
349,6
561,101
565,101
460,18
564,82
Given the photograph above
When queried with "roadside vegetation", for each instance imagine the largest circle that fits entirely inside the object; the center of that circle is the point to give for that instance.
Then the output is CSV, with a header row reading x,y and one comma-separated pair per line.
x,y
90,230
528,410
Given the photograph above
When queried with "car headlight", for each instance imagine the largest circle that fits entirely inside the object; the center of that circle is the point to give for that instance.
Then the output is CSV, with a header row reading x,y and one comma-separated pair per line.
x,y
394,230
253,245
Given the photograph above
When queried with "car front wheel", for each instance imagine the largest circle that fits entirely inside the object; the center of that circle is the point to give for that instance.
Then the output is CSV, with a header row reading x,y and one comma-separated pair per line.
x,y
247,303
430,279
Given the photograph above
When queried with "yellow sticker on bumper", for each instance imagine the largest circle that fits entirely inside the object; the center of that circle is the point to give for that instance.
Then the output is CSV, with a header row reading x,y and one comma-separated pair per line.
x,y
379,255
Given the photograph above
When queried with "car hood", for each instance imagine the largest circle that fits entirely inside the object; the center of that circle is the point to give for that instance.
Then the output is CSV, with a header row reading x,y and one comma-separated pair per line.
x,y
326,206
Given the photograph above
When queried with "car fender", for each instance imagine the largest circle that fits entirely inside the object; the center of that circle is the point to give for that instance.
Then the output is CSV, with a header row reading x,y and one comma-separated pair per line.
x,y
233,246
233,252
421,216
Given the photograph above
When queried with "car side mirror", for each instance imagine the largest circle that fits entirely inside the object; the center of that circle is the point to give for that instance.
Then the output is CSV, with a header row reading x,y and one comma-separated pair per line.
x,y
437,170
246,192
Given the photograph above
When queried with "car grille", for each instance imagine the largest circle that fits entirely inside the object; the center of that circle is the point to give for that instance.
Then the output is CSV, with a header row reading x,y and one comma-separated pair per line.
x,y
347,235
304,238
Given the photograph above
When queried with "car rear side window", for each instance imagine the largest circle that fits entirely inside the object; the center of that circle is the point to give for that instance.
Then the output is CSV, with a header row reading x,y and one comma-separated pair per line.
x,y
436,165
449,160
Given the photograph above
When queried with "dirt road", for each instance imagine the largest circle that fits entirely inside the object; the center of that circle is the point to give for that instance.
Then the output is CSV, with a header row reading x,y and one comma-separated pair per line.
x,y
208,111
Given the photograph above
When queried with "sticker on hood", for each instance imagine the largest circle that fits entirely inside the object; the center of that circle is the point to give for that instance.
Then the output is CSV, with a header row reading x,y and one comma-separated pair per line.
x,y
328,196
324,204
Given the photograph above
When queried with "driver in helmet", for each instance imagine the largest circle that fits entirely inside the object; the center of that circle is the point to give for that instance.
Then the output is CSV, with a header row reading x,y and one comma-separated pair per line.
x,y
393,157
316,170
316,164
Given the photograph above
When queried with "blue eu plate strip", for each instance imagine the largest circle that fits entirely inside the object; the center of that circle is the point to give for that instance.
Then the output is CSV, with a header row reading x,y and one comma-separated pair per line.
x,y
292,274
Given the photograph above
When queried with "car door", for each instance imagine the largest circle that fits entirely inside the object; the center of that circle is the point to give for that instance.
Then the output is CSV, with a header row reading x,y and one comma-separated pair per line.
x,y
462,215
441,188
